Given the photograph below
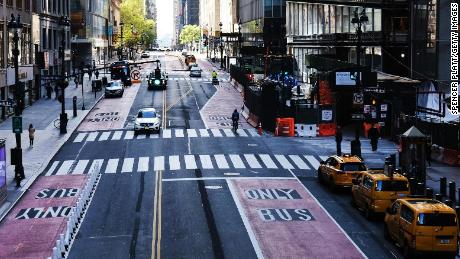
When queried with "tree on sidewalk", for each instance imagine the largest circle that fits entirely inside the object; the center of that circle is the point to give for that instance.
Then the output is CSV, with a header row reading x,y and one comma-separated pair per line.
x,y
190,34
142,30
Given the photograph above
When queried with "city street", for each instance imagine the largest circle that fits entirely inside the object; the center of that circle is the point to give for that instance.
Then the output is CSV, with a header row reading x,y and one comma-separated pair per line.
x,y
184,193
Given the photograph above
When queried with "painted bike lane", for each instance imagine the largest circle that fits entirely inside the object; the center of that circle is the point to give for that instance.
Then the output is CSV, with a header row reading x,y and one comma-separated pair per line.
x,y
110,113
284,220
33,226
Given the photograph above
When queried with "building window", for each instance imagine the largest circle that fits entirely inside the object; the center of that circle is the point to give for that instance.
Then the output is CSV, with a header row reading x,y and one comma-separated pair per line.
x,y
44,39
27,5
2,46
50,38
9,3
49,3
54,6
310,19
332,20
326,20
431,30
338,20
346,19
268,8
315,19
377,19
305,19
320,19
19,4
368,26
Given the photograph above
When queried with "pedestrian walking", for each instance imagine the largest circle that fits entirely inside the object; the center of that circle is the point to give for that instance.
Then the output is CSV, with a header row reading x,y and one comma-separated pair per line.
x,y
374,135
428,152
49,90
338,140
56,90
31,135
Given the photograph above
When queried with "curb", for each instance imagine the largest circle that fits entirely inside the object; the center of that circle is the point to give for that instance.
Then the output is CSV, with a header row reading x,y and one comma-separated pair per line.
x,y
31,181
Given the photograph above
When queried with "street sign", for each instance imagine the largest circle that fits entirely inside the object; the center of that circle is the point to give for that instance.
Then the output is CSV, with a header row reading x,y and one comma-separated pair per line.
x,y
135,75
17,124
358,98
357,116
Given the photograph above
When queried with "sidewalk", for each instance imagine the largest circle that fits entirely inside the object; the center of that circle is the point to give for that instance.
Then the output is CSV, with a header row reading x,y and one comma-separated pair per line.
x,y
48,139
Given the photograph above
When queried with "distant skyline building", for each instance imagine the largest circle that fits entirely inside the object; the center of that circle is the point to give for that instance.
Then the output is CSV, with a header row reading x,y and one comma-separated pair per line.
x,y
191,12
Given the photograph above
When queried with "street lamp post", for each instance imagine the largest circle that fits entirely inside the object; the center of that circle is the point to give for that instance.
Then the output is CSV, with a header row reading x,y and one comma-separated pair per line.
x,y
221,47
15,27
64,22
358,21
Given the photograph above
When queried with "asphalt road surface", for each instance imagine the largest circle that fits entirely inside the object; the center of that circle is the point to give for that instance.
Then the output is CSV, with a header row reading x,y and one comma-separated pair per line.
x,y
192,192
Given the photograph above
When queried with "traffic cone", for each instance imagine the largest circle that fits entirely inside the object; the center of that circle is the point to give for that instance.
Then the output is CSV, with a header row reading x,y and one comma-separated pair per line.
x,y
259,128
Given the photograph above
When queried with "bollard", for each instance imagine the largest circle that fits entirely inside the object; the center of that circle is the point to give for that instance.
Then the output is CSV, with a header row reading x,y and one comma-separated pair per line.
x,y
452,195
443,186
412,185
429,192
449,203
74,102
420,189
438,197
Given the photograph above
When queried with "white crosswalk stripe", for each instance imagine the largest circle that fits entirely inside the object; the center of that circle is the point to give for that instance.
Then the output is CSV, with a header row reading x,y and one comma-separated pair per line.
x,y
112,165
96,165
174,163
80,167
206,162
190,162
216,133
204,133
80,137
241,133
65,167
183,162
143,164
129,134
166,133
179,133
128,164
141,136
299,162
105,136
268,162
191,133
253,133
159,163
252,161
117,135
284,162
221,161
229,133
237,162
92,136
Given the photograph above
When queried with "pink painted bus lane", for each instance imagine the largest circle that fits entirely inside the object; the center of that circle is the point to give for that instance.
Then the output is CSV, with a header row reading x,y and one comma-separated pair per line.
x,y
286,221
110,113
33,226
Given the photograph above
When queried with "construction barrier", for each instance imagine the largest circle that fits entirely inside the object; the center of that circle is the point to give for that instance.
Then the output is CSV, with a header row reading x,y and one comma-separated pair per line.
x,y
306,130
327,129
284,127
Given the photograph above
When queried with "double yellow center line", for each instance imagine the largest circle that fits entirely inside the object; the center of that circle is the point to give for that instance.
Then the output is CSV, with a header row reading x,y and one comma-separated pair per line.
x,y
164,110
156,229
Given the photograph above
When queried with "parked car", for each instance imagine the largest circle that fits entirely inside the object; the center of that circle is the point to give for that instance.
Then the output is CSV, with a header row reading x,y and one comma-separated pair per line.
x,y
422,226
145,55
338,171
373,191
195,71
114,89
147,120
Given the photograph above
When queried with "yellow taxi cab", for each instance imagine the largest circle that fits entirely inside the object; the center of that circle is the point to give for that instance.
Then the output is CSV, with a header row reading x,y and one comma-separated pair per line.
x,y
422,226
374,191
338,171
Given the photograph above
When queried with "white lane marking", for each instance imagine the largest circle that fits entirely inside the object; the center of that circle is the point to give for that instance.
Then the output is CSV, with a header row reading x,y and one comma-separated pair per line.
x,y
252,161
284,162
179,133
191,133
312,160
299,162
80,137
167,133
117,135
324,158
129,134
159,163
92,136
65,167
141,136
128,164
229,132
253,132
154,135
224,178
216,133
243,216
221,162
267,160
143,164
231,173
104,136
190,162
241,133
204,133
52,168
80,167
112,165
237,162
206,162
174,163
95,162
